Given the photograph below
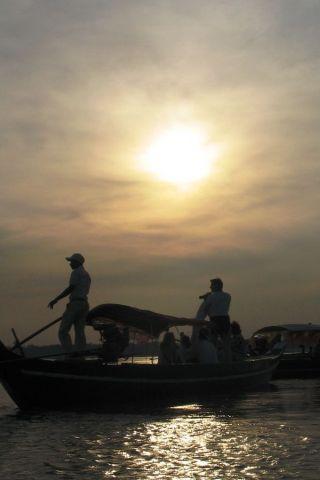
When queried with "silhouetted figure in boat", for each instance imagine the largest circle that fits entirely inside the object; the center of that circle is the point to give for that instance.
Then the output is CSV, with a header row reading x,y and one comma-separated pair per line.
x,y
216,306
125,339
185,339
77,308
316,352
238,344
185,352
207,351
168,354
276,346
114,342
260,347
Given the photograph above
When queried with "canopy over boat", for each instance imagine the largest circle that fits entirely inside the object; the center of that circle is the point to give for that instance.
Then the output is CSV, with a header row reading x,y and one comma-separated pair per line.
x,y
290,328
296,336
143,321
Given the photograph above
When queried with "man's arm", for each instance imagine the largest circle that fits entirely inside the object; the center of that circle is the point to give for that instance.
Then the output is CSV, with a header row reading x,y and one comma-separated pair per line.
x,y
63,294
203,310
204,296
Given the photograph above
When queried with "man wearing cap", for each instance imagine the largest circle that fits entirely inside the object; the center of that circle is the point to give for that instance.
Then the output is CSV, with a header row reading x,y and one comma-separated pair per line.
x,y
216,306
77,308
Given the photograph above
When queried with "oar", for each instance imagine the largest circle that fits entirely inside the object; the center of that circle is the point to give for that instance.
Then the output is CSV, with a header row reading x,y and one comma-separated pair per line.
x,y
18,344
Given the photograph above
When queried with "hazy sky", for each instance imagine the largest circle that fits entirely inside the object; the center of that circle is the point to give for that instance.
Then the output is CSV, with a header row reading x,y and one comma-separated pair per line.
x,y
86,86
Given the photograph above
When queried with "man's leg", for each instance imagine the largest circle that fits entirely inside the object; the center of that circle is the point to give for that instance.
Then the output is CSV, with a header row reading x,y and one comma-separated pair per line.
x,y
222,327
65,326
226,343
79,326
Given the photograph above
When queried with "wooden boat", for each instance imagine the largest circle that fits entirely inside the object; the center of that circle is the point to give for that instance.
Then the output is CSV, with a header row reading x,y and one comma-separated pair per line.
x,y
297,365
300,358
92,383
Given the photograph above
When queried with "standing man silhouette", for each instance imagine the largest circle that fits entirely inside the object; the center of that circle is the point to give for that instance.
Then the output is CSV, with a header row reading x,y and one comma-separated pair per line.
x,y
77,308
216,306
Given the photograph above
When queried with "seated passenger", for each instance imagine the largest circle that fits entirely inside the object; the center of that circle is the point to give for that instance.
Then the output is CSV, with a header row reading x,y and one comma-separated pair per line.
x,y
261,345
277,345
303,349
125,339
185,352
207,352
168,354
114,342
252,352
316,351
238,343
185,339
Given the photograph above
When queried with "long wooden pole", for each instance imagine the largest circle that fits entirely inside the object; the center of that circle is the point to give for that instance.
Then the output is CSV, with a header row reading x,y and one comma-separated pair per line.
x,y
18,344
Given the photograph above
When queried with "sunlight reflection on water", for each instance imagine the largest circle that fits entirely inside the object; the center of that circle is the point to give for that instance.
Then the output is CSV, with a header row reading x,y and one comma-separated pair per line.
x,y
271,435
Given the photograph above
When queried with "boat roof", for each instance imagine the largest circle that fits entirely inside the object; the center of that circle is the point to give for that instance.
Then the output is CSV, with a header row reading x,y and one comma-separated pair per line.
x,y
290,327
145,321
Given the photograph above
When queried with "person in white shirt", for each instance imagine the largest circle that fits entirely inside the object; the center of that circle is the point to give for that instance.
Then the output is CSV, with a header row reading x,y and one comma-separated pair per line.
x,y
216,306
77,308
207,352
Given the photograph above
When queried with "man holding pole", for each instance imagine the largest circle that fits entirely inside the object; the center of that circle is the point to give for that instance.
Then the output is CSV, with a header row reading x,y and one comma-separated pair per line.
x,y
77,308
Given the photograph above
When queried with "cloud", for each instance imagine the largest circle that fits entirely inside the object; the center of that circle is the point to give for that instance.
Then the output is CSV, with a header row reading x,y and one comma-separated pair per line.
x,y
85,86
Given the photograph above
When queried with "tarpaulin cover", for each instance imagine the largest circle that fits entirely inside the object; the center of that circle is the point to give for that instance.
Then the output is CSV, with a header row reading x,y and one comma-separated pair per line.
x,y
145,321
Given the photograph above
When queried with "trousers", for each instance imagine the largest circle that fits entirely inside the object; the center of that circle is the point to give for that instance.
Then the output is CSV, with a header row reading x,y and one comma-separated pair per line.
x,y
221,327
74,314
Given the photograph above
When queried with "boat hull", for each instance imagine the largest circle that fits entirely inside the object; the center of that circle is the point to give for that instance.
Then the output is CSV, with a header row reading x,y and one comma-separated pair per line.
x,y
297,366
91,384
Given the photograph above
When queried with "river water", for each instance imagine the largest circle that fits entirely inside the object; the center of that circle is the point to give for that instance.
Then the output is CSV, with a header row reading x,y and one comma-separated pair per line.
x,y
271,434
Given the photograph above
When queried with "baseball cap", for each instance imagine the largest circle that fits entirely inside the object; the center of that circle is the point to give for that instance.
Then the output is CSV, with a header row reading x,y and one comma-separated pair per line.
x,y
77,257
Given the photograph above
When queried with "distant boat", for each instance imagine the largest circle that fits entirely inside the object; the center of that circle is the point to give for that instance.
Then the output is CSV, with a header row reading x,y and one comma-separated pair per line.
x,y
91,383
300,358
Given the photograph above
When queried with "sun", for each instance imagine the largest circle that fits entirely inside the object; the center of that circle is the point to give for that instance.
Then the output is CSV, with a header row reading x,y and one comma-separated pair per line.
x,y
180,155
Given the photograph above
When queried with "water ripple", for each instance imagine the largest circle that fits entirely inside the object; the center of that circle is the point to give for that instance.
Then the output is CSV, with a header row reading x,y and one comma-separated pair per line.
x,y
268,435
